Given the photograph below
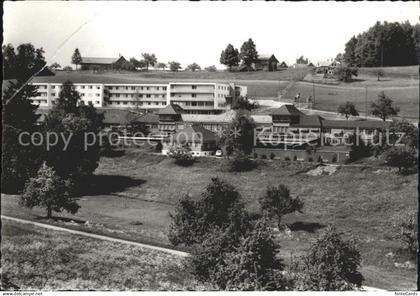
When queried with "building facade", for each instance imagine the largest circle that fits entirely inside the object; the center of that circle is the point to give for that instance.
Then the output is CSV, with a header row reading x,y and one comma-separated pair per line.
x,y
193,97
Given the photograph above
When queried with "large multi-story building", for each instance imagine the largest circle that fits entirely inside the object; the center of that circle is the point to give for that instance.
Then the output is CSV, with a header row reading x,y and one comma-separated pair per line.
x,y
193,97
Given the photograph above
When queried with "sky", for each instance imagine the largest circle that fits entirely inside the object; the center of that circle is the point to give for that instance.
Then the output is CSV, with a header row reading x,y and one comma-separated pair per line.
x,y
190,32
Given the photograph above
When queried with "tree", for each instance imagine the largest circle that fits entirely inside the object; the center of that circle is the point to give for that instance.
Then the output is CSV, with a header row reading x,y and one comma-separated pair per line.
x,y
219,207
331,264
161,66
383,107
19,162
399,132
150,59
339,57
22,63
76,58
250,264
402,157
135,63
9,61
301,60
174,66
55,66
193,67
277,202
248,53
239,135
383,44
211,68
230,57
349,53
243,103
48,190
347,109
345,73
80,124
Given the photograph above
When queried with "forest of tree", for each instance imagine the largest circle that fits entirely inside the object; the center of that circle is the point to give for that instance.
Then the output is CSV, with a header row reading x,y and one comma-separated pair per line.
x,y
384,44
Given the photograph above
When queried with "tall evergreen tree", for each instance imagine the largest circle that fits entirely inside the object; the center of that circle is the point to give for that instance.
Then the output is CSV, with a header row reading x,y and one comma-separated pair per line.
x,y
248,52
19,160
76,58
383,44
230,57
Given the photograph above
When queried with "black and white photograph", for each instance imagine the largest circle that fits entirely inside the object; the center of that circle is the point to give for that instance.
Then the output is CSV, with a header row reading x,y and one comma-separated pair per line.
x,y
209,146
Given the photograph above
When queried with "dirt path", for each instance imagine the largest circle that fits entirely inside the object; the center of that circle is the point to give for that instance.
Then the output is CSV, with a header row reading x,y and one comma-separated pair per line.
x,y
97,236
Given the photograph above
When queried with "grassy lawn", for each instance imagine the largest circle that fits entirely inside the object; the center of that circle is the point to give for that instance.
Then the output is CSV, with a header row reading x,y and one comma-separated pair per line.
x,y
135,192
39,259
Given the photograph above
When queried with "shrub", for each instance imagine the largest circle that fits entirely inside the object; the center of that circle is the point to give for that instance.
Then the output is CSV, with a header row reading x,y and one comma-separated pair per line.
x,y
310,159
295,158
263,156
272,155
331,264
346,73
320,159
277,202
248,263
220,207
182,156
334,158
408,234
401,157
255,155
240,163
287,158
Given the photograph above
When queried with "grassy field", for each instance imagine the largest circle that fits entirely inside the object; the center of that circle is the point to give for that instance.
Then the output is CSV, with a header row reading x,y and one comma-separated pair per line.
x,y
37,259
400,83
134,193
330,97
285,74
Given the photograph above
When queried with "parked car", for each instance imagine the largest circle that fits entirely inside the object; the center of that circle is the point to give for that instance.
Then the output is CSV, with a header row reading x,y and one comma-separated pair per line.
x,y
218,153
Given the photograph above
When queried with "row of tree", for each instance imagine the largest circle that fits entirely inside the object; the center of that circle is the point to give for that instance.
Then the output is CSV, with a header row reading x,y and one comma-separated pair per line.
x,y
233,249
384,44
231,56
148,60
383,108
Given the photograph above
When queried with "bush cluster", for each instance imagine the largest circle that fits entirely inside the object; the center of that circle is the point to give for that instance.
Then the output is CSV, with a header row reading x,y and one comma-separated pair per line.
x,y
182,156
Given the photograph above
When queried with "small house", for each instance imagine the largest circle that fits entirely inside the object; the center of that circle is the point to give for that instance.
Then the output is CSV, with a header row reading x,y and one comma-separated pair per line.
x,y
195,138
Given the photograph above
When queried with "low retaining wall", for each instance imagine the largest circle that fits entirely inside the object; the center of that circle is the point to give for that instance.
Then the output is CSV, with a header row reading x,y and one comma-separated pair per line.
x,y
302,155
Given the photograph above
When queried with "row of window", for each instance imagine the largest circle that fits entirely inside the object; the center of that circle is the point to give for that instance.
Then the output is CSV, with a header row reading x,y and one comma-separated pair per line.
x,y
133,96
221,87
134,87
139,103
194,104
